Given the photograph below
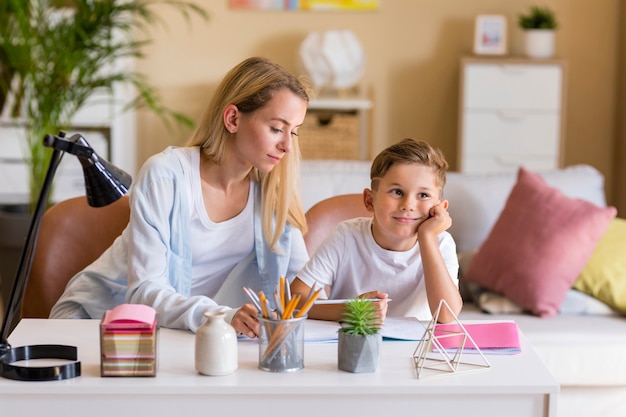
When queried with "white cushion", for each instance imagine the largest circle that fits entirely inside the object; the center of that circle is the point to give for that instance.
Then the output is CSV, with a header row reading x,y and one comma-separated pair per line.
x,y
321,179
476,200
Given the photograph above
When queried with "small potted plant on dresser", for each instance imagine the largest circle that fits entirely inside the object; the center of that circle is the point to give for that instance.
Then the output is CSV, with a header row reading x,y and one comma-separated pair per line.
x,y
539,25
359,338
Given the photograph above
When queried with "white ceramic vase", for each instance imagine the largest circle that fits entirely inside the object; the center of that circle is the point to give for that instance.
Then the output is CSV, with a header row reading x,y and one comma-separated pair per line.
x,y
216,346
539,43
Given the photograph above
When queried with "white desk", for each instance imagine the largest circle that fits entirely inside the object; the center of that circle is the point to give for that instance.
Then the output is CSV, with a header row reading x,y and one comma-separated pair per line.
x,y
516,385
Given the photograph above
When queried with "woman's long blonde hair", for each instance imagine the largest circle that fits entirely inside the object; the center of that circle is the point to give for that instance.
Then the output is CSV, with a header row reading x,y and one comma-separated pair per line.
x,y
250,86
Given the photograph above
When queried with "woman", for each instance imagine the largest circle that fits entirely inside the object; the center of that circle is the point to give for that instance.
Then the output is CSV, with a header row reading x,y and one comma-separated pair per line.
x,y
207,219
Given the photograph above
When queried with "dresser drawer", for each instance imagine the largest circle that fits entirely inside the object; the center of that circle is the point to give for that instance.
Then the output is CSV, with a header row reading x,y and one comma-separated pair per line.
x,y
512,86
498,133
13,179
13,142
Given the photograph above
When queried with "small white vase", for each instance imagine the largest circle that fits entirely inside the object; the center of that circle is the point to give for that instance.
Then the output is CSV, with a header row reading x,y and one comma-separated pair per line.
x,y
216,346
539,43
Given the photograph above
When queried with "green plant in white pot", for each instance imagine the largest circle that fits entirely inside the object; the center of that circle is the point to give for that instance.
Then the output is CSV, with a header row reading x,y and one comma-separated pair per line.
x,y
359,338
539,25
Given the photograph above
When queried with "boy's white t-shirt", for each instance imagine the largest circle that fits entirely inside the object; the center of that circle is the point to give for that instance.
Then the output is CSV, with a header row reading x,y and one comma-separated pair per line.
x,y
352,263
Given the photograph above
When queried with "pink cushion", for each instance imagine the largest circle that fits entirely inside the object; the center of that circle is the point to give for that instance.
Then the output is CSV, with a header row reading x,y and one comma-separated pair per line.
x,y
539,244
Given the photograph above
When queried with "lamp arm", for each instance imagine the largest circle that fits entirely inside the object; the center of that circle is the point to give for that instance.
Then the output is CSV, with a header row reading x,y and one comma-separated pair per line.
x,y
26,259
71,145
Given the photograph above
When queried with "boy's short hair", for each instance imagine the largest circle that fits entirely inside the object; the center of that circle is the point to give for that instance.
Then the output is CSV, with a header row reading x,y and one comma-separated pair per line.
x,y
410,151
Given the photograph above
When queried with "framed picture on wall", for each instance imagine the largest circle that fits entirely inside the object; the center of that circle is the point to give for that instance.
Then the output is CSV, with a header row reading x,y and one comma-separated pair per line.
x,y
490,35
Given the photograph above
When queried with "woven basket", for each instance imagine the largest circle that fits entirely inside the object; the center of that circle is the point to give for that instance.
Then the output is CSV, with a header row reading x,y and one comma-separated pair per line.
x,y
330,137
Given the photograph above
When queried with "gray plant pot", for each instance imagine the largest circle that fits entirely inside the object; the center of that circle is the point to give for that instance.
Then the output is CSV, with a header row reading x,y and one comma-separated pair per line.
x,y
358,354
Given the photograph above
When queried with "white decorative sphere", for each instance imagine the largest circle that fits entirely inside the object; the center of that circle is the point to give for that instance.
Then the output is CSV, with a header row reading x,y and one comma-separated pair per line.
x,y
333,59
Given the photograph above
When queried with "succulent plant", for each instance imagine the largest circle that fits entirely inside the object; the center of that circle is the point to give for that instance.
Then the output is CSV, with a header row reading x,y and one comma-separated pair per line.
x,y
360,318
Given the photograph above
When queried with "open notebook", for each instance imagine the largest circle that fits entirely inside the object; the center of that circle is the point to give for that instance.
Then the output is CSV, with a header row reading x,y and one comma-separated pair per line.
x,y
500,337
395,328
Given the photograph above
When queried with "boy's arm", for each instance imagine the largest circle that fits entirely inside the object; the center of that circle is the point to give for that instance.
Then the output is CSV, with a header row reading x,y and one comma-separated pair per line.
x,y
334,312
439,285
331,312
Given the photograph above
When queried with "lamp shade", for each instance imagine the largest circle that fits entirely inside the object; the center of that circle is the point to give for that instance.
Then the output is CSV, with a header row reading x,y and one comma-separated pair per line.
x,y
104,182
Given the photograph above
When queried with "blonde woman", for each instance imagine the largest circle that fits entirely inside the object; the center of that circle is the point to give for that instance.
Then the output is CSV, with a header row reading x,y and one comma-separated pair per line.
x,y
207,219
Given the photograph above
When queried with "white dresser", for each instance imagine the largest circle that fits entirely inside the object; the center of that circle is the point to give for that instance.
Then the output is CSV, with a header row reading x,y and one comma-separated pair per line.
x,y
511,114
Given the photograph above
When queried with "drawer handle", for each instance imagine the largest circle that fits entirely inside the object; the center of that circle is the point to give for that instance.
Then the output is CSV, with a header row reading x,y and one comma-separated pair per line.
x,y
510,115
512,69
508,161
16,161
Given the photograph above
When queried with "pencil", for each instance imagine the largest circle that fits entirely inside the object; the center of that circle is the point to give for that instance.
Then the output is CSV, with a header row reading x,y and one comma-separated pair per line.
x,y
309,303
264,304
347,300
279,304
291,306
282,291
253,298
287,290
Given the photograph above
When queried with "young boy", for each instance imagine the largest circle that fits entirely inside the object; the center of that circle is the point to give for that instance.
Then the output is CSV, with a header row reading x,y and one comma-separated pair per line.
x,y
403,255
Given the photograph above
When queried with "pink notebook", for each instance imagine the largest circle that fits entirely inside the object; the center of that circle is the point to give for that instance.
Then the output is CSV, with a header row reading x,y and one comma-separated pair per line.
x,y
493,337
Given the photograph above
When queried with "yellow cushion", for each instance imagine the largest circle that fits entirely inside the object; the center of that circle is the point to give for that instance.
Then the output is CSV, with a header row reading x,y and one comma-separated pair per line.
x,y
604,276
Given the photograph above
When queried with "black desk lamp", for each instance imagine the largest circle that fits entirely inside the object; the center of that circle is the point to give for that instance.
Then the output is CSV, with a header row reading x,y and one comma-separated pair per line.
x,y
104,184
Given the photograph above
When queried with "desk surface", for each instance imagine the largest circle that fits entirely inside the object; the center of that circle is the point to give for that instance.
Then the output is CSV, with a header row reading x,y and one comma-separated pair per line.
x,y
514,385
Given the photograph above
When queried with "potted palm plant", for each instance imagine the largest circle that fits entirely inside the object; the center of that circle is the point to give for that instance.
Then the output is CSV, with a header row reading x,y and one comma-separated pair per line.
x,y
58,53
539,25
54,55
359,338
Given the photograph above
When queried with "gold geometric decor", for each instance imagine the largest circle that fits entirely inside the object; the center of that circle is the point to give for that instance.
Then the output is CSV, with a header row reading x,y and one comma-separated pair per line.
x,y
431,358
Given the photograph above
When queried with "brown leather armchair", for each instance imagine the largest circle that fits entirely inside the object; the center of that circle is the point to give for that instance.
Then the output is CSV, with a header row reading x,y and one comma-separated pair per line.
x,y
72,235
323,217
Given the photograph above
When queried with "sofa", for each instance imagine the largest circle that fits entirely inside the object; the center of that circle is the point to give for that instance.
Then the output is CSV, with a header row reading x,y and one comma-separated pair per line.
x,y
583,344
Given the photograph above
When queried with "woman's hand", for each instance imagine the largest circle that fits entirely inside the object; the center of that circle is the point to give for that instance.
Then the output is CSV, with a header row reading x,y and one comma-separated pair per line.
x,y
245,321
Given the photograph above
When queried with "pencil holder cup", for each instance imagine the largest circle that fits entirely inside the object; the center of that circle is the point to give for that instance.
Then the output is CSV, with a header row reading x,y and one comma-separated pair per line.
x,y
281,344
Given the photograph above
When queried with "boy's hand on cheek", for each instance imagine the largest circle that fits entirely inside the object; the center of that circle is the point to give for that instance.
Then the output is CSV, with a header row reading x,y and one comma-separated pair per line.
x,y
439,220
